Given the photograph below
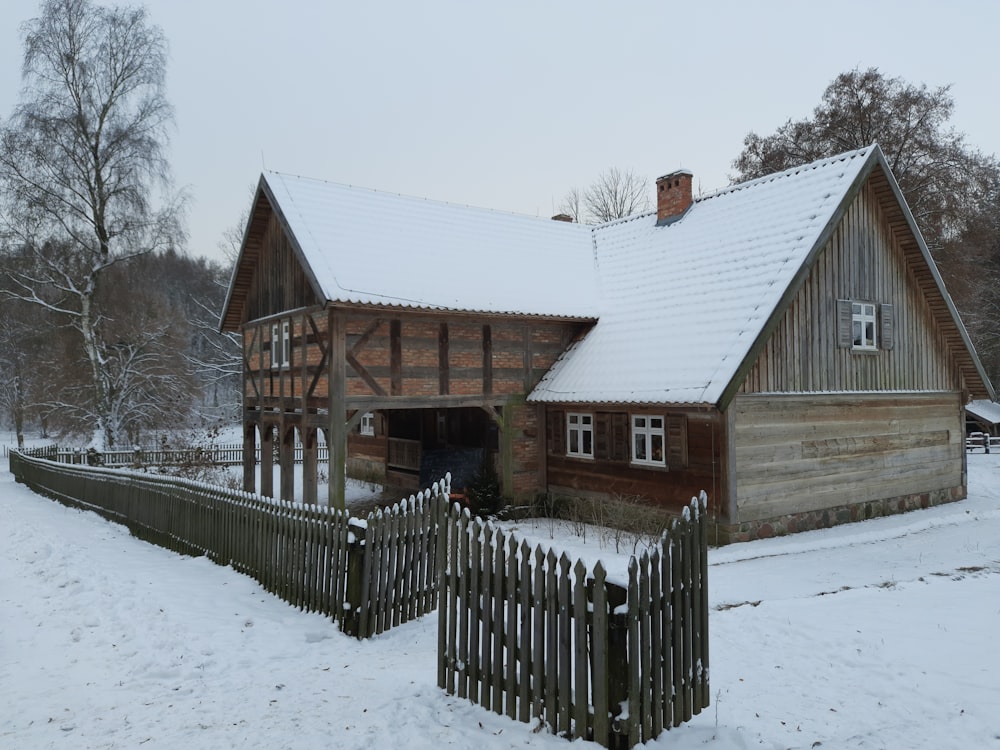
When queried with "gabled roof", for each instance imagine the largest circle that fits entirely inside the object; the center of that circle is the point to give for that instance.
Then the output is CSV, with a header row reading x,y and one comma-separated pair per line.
x,y
367,247
682,310
686,307
988,411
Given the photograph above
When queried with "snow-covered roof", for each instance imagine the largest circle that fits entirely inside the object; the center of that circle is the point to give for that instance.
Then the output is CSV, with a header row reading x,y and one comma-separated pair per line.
x,y
682,304
679,307
369,247
986,410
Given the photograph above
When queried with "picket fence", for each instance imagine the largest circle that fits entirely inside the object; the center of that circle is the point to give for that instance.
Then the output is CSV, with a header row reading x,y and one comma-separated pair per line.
x,y
218,455
369,574
543,639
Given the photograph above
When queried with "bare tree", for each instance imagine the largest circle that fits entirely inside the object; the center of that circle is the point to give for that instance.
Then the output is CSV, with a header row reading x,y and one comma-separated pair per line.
x,y
615,194
83,174
572,205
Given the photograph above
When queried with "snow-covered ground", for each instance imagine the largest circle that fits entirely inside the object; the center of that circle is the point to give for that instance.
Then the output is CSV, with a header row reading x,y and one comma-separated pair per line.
x,y
882,634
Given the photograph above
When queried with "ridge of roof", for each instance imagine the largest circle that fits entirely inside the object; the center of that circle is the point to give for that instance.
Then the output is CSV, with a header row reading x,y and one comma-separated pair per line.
x,y
370,247
790,172
416,198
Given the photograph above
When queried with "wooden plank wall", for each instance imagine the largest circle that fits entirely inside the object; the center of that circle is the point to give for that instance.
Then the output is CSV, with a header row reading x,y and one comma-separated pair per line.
x,y
279,282
806,452
862,261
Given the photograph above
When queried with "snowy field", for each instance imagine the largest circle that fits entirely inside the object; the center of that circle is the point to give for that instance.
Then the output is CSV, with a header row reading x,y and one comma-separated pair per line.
x,y
882,634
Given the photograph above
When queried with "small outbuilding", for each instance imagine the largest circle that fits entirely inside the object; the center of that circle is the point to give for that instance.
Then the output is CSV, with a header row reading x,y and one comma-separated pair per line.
x,y
983,416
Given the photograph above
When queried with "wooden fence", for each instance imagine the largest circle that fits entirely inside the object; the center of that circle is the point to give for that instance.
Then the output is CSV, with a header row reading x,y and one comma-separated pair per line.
x,y
368,574
979,441
218,455
543,639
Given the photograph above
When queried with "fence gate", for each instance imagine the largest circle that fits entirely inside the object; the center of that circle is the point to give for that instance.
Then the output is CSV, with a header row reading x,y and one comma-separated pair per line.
x,y
540,638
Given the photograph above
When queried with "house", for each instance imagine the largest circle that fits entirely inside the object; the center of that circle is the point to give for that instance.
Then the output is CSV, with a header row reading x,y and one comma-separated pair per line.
x,y
785,344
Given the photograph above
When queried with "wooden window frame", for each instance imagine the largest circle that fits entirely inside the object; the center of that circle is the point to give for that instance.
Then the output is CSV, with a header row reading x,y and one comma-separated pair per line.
x,y
275,345
648,431
860,316
581,424
883,333
286,343
367,425
281,344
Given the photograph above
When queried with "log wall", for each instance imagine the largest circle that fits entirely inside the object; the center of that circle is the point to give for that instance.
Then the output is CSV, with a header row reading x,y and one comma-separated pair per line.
x,y
797,454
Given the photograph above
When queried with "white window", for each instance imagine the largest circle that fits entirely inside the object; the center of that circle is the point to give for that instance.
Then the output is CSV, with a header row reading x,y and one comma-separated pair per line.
x,y
863,325
580,435
281,344
286,345
368,424
275,345
648,444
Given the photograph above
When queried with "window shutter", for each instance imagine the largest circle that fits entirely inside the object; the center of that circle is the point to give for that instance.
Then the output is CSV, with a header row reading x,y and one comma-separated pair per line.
x,y
677,441
611,436
602,435
845,334
619,437
887,338
555,426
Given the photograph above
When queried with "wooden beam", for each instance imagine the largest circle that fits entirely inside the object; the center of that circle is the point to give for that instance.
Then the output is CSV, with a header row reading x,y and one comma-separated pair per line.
x,y
366,376
286,460
309,465
267,460
396,357
443,376
249,458
370,403
487,360
337,434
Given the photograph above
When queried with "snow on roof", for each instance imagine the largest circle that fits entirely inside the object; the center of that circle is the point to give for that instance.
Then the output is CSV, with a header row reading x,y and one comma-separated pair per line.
x,y
988,410
371,247
681,305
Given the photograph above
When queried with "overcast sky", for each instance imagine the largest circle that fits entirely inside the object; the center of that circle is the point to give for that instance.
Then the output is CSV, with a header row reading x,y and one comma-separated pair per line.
x,y
506,105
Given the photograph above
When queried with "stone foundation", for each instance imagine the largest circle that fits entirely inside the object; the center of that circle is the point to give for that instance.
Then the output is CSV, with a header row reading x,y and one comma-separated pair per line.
x,y
722,533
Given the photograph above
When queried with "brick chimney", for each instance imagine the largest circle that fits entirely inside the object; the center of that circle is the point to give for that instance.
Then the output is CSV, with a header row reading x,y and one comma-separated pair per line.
x,y
673,196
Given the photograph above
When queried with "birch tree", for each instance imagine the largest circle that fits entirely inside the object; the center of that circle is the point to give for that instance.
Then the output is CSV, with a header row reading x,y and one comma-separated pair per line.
x,y
84,179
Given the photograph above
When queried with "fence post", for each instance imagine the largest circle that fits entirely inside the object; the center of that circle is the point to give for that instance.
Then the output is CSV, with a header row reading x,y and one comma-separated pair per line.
x,y
618,667
355,594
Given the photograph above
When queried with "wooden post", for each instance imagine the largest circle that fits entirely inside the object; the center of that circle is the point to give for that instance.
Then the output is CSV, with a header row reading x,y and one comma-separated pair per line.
x,y
618,666
249,458
267,460
355,592
286,460
337,434
599,654
309,465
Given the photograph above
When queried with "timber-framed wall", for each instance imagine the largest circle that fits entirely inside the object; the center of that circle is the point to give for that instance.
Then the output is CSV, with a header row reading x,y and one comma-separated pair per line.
x,y
303,366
